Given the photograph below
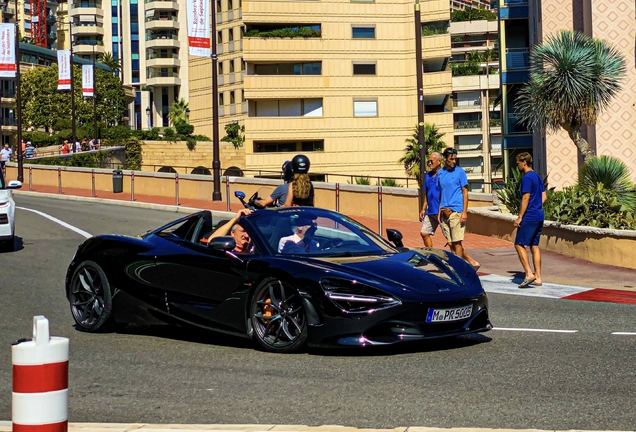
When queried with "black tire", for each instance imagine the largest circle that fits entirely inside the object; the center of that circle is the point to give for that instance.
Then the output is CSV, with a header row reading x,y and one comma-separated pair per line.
x,y
278,319
90,298
8,245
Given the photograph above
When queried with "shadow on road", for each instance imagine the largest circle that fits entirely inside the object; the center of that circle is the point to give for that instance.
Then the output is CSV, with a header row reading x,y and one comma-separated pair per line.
x,y
18,245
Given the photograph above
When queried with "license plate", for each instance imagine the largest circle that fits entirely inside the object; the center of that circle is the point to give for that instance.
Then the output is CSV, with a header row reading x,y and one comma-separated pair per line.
x,y
445,315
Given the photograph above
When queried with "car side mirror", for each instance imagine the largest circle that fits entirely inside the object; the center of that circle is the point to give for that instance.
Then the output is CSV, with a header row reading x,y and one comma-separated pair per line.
x,y
222,243
14,184
394,237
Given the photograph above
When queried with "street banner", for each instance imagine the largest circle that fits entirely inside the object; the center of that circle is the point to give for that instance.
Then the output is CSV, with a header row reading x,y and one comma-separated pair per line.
x,y
7,50
64,70
87,81
198,28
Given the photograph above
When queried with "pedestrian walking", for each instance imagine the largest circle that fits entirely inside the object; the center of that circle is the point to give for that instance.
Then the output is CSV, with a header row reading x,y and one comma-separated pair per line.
x,y
64,148
301,190
429,216
5,156
29,152
453,185
530,221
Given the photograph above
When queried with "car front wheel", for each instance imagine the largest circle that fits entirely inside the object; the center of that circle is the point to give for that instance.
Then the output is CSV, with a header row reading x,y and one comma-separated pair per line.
x,y
278,318
90,298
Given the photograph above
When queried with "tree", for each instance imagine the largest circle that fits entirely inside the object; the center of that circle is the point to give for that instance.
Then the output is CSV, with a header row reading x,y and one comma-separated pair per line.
x,y
234,131
411,158
178,112
107,60
573,78
609,173
44,106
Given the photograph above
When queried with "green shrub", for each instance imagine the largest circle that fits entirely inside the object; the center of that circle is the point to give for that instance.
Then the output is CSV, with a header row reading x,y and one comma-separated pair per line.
x,y
117,134
39,139
612,174
363,181
133,154
510,192
184,128
284,32
202,138
389,182
466,69
169,134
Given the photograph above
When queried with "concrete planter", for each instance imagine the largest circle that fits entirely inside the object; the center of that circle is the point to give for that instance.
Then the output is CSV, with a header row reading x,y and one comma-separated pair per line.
x,y
598,245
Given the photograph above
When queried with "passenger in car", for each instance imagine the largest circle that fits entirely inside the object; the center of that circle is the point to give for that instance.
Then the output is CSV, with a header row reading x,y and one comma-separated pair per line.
x,y
238,233
302,240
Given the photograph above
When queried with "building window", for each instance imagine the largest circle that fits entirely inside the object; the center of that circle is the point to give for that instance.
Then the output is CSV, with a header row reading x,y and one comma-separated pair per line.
x,y
365,108
364,68
231,65
221,101
288,146
359,32
219,36
220,68
243,65
288,69
230,5
231,34
218,6
232,97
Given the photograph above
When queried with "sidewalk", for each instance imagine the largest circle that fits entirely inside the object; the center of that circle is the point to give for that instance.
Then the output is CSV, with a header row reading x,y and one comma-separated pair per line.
x,y
495,255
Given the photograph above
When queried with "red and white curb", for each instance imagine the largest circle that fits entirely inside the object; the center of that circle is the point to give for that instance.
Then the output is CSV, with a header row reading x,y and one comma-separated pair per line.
x,y
504,285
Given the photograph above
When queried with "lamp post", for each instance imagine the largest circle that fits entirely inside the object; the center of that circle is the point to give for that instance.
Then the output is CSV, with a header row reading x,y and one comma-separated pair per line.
x,y
74,132
148,116
420,97
94,98
187,113
18,102
216,163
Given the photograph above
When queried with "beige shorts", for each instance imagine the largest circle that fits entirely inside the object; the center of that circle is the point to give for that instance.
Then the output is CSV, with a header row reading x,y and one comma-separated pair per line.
x,y
452,228
430,224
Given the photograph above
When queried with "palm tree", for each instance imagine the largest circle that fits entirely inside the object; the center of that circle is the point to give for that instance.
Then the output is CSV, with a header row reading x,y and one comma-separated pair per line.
x,y
108,60
612,174
572,79
411,158
178,112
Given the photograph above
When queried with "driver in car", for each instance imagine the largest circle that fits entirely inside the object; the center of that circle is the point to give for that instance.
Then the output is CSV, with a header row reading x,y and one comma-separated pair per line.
x,y
238,233
302,240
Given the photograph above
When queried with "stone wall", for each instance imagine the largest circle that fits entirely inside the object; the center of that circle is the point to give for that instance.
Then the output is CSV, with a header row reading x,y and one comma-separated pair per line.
x,y
176,155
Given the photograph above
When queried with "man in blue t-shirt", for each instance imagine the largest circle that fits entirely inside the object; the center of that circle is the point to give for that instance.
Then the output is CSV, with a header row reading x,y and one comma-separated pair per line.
x,y
530,221
453,205
429,216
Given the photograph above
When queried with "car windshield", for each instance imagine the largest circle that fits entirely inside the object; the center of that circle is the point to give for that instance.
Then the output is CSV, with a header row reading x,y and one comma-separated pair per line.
x,y
316,232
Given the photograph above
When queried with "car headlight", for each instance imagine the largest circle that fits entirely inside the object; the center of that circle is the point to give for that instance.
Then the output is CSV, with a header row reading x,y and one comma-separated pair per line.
x,y
353,296
4,203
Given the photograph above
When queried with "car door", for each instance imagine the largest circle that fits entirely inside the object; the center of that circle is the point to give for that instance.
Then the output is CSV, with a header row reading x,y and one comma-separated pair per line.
x,y
203,285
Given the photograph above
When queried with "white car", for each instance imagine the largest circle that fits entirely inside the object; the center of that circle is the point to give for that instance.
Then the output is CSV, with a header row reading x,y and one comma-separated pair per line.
x,y
7,212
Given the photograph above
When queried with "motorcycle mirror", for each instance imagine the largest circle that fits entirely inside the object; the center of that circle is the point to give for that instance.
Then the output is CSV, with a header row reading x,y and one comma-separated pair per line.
x,y
240,195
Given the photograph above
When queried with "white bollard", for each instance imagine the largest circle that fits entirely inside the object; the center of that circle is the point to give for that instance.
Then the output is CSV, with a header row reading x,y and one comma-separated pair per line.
x,y
40,381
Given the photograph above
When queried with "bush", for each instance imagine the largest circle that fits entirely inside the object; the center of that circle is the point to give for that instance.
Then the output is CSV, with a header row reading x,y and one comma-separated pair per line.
x,y
389,182
611,174
184,128
201,138
363,181
510,193
169,134
133,154
117,134
39,139
466,69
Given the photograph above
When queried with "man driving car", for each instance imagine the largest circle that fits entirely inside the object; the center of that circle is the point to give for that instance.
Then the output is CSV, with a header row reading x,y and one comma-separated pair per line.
x,y
238,233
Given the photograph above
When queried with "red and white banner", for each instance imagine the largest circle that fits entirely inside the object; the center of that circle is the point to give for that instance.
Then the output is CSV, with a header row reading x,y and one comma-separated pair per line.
x,y
198,28
64,70
88,89
7,50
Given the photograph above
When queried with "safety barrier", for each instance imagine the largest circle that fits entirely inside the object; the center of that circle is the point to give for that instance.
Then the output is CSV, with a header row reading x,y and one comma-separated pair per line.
x,y
40,381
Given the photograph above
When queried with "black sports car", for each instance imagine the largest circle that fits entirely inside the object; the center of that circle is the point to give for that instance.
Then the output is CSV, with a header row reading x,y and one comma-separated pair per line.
x,y
312,276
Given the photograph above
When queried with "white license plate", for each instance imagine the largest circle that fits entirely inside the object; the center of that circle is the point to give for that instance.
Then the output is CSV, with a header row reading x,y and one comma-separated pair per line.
x,y
445,315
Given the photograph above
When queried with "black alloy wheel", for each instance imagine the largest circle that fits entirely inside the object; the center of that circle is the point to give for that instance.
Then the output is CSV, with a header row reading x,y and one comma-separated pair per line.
x,y
90,298
278,318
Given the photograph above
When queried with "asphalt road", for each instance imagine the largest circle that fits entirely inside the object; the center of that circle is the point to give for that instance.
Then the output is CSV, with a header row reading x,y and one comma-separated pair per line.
x,y
503,379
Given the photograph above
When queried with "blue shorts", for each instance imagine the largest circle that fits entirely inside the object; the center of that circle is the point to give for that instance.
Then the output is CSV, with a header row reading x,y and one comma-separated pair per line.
x,y
529,233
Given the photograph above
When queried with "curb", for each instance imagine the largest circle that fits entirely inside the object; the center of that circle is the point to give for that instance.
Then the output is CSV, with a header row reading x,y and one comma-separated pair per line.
x,y
130,427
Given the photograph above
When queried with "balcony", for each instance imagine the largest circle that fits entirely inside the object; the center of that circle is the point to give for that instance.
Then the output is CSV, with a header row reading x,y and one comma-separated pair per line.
x,y
52,35
7,95
436,46
165,23
467,105
271,49
161,5
85,8
163,79
88,30
88,47
436,83
51,18
435,10
473,126
514,127
515,2
8,10
288,86
166,60
162,41
443,121
517,58
8,121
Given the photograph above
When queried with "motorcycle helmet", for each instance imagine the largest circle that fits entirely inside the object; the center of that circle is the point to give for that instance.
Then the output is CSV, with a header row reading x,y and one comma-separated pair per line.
x,y
300,164
288,172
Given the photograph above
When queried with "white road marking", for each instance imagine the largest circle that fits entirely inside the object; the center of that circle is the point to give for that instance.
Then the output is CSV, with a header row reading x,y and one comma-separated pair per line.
x,y
64,224
504,285
535,330
624,333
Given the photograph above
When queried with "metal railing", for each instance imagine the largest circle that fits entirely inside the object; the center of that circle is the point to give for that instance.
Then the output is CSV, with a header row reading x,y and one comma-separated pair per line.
x,y
162,74
86,4
161,36
466,104
8,121
517,58
89,42
468,124
154,55
158,18
7,93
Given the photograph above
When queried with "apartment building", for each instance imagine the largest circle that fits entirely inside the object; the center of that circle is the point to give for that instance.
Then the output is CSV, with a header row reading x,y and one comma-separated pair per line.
x,y
335,80
463,4
523,24
28,14
149,38
476,117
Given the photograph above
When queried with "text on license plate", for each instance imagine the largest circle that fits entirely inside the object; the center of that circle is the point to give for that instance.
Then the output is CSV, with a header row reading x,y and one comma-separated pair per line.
x,y
454,314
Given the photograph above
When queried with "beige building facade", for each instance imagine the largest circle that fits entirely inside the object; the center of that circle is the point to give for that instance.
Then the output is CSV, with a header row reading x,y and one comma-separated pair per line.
x,y
344,94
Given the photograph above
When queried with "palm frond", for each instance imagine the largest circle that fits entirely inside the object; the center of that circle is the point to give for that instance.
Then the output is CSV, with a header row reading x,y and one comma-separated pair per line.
x,y
612,174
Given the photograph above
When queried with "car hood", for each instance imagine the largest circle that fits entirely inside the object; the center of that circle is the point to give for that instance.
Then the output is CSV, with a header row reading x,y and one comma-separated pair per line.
x,y
422,270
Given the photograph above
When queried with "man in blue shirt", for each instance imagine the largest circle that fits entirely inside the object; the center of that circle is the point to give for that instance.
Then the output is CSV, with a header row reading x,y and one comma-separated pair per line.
x,y
453,185
530,221
430,207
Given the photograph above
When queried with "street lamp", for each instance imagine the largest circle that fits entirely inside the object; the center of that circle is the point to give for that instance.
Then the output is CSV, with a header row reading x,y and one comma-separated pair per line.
x,y
187,113
216,162
148,116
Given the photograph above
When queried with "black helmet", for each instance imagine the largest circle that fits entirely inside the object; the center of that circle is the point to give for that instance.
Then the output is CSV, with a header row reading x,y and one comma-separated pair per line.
x,y
288,172
300,164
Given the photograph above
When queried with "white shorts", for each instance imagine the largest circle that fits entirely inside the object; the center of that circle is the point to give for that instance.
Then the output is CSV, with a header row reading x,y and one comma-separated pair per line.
x,y
430,224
